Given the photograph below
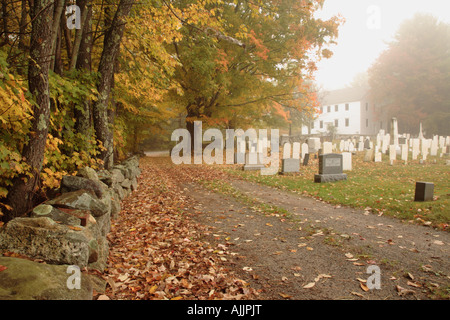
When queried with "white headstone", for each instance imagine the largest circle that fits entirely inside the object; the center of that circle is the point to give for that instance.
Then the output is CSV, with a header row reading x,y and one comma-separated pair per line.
x,y
404,152
434,147
424,148
394,131
327,147
378,156
392,152
305,150
351,147
286,150
415,148
296,150
346,161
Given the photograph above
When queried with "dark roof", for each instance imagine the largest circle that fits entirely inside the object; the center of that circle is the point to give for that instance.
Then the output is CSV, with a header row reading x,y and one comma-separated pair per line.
x,y
342,95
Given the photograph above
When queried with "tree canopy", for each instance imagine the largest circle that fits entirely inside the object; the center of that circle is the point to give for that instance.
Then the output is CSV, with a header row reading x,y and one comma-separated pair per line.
x,y
85,82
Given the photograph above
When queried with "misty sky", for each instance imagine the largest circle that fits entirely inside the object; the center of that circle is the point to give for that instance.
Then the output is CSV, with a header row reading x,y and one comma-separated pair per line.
x,y
362,38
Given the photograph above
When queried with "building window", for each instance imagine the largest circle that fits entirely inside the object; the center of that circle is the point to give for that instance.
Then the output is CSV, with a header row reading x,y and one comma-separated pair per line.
x,y
336,108
346,107
336,123
347,122
381,124
321,124
367,106
312,125
329,109
367,123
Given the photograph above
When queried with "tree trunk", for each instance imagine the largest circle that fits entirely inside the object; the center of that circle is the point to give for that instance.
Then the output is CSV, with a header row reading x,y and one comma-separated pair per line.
x,y
111,47
21,194
83,62
23,24
56,19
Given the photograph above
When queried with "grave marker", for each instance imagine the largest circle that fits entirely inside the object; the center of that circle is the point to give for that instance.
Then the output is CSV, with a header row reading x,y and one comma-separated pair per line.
x,y
306,159
346,161
330,168
424,191
327,147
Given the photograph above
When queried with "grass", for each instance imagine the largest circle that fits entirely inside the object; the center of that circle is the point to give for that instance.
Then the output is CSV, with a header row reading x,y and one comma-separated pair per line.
x,y
227,189
376,187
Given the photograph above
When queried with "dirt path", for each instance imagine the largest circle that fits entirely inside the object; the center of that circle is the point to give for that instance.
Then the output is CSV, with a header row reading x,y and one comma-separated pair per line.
x,y
318,251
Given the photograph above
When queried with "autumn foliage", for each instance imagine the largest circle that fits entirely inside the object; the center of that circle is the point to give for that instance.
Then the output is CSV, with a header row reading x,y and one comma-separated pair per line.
x,y
133,68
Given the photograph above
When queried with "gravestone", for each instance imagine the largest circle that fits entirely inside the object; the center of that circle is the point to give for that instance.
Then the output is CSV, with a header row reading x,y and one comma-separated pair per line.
x,y
327,147
239,156
434,147
369,155
415,148
296,150
394,132
401,140
420,132
313,145
304,150
306,159
351,147
367,144
424,191
447,152
392,152
360,146
252,161
346,161
404,152
288,164
286,150
378,157
330,168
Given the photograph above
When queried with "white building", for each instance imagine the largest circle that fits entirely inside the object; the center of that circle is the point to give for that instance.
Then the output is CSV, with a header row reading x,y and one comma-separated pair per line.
x,y
349,111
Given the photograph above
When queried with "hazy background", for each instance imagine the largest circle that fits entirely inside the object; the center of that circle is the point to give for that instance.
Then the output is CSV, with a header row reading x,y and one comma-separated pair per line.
x,y
362,38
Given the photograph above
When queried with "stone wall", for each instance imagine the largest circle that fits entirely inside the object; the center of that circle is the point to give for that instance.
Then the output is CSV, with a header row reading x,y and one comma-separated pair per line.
x,y
71,229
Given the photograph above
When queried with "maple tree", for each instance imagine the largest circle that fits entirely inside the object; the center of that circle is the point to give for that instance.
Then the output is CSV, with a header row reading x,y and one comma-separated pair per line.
x,y
133,67
411,79
254,58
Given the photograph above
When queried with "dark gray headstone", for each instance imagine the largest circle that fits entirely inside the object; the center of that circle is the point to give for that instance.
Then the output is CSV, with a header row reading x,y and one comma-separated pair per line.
x,y
424,191
330,168
306,159
330,163
367,144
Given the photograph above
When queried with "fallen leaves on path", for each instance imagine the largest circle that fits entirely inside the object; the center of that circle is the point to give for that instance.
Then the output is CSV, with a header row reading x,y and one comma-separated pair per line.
x,y
157,252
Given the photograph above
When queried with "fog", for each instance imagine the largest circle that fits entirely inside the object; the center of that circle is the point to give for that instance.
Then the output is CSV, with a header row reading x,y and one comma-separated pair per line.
x,y
369,25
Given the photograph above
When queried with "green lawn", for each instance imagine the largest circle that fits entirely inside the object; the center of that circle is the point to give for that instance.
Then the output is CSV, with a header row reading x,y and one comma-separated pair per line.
x,y
377,187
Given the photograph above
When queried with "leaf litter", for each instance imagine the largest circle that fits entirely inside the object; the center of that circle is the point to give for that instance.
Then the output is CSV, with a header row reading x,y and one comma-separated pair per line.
x,y
156,250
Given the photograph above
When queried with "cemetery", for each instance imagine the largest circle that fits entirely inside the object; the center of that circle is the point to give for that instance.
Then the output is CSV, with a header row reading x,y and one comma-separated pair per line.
x,y
379,172
202,150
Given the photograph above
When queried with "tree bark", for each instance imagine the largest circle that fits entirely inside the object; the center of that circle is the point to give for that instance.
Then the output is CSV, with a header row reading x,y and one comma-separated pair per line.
x,y
56,19
84,62
111,46
21,194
